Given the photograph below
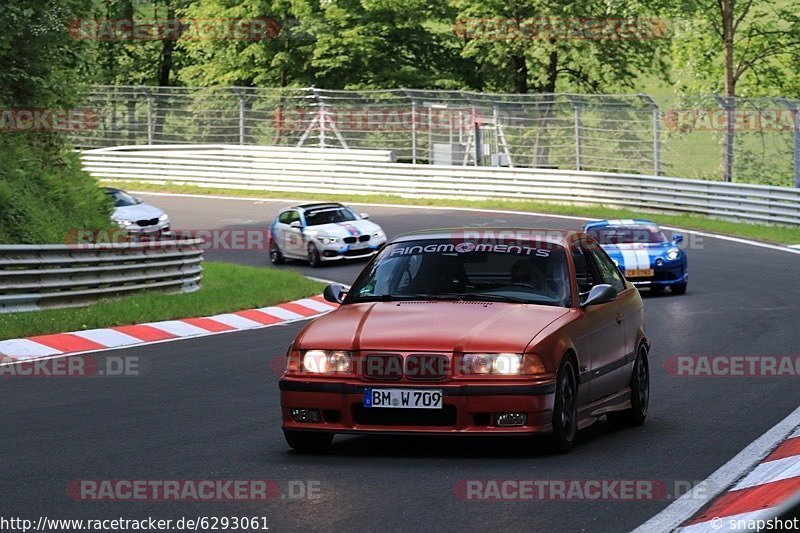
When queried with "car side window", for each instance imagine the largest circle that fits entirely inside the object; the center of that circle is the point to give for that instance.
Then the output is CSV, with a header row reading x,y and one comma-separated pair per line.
x,y
606,268
294,216
285,217
583,274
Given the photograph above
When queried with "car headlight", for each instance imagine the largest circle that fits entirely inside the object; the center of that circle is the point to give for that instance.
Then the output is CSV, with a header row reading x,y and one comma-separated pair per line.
x,y
163,218
123,223
378,234
327,240
502,364
327,362
673,254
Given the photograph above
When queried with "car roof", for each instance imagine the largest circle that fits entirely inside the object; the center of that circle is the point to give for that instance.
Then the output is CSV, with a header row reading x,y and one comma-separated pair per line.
x,y
561,237
627,222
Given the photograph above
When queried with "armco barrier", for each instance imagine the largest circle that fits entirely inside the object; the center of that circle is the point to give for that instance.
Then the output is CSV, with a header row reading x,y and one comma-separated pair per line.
x,y
361,172
38,276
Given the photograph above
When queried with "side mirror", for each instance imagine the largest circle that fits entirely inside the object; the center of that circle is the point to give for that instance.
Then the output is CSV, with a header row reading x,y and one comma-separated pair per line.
x,y
295,224
600,294
364,215
334,293
677,237
137,200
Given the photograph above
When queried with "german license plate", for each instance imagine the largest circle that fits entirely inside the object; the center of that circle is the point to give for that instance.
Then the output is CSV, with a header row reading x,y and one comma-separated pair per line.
x,y
639,273
358,245
403,398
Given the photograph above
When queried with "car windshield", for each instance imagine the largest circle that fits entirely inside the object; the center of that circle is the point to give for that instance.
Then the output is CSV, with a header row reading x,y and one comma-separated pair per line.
x,y
121,198
519,272
628,234
331,215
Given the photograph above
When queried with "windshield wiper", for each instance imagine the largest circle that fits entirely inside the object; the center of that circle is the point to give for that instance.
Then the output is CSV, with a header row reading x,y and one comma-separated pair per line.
x,y
489,297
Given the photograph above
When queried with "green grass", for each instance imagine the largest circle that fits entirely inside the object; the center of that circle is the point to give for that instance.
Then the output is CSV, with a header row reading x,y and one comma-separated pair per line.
x,y
226,287
768,233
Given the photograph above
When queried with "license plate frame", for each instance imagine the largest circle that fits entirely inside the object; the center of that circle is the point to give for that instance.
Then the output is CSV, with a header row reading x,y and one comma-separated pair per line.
x,y
398,398
640,273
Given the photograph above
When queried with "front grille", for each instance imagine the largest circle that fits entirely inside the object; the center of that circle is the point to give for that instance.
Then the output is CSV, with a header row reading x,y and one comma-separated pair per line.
x,y
363,238
349,240
147,222
383,367
427,367
377,416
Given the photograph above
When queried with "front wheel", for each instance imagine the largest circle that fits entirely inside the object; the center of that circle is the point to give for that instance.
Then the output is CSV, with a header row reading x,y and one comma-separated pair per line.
x,y
308,441
565,408
313,256
640,394
275,254
678,288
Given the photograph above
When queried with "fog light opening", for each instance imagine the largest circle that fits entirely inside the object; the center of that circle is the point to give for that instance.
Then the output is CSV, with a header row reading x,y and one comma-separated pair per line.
x,y
306,415
510,419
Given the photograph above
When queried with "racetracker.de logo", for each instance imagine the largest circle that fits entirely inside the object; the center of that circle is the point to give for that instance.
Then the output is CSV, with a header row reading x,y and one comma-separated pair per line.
x,y
378,119
733,366
78,366
196,29
47,119
227,240
559,28
560,489
686,120
192,490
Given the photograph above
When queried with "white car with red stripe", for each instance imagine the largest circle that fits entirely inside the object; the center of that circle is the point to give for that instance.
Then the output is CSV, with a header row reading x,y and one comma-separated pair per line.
x,y
321,232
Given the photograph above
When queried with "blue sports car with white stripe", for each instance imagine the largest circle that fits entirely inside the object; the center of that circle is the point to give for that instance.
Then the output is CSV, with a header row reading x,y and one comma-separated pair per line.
x,y
643,253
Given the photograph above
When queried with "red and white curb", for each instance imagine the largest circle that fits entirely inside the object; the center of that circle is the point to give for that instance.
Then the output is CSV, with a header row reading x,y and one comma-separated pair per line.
x,y
752,486
89,340
757,495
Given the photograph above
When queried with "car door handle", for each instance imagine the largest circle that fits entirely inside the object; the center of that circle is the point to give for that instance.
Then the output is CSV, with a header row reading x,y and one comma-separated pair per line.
x,y
619,318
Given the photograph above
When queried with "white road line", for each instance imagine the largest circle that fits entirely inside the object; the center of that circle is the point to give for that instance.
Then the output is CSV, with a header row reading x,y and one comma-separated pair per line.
x,y
315,305
687,505
107,337
738,240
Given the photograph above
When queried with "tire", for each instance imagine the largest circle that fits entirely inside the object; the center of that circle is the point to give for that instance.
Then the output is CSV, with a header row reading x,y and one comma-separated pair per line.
x,y
640,394
313,256
565,407
275,255
308,441
678,288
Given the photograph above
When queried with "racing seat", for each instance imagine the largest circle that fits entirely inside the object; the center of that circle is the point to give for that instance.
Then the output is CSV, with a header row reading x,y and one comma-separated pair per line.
x,y
525,272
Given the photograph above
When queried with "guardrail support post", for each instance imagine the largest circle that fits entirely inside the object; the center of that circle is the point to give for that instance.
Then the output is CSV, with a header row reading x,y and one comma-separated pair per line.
x,y
796,131
728,105
656,134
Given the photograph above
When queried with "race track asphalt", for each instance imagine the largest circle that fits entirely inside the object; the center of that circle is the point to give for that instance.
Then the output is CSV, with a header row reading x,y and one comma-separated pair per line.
x,y
208,408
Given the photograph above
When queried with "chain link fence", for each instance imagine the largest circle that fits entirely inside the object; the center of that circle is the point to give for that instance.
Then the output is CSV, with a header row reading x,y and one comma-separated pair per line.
x,y
746,140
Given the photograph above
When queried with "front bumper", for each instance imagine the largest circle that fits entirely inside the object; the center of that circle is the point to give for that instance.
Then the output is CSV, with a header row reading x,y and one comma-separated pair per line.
x,y
346,251
468,408
663,276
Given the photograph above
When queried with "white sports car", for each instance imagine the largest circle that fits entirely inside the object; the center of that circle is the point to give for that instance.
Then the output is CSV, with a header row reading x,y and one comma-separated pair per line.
x,y
323,232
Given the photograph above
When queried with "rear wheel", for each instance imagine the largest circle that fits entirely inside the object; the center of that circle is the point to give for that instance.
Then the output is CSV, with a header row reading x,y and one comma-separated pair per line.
x,y
678,288
275,255
307,441
565,408
640,394
313,255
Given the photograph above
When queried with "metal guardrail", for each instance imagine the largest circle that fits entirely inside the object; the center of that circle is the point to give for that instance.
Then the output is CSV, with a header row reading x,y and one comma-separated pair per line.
x,y
289,171
63,275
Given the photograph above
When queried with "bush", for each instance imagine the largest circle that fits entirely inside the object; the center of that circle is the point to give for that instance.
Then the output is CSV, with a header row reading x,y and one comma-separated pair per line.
x,y
44,193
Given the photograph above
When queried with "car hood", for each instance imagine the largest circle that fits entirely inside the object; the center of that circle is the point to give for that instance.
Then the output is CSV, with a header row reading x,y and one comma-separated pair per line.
x,y
136,212
352,228
637,255
437,326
